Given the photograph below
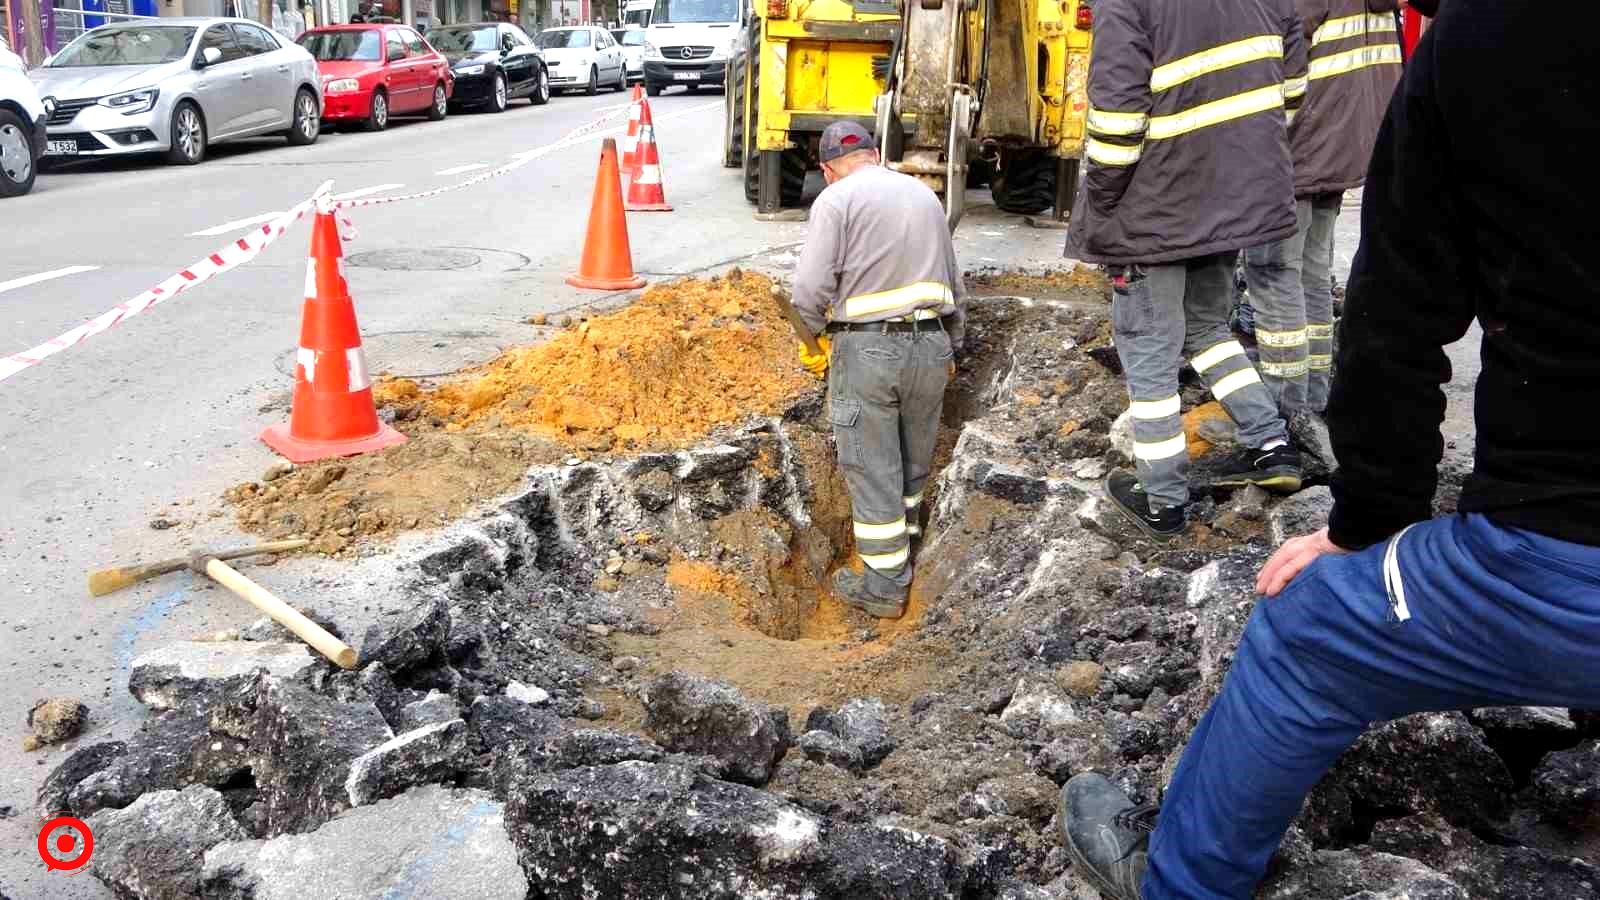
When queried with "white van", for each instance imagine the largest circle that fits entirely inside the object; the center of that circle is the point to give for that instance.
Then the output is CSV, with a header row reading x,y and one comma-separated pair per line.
x,y
689,42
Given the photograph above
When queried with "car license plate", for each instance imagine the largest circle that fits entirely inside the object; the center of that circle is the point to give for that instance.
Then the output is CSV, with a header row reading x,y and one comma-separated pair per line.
x,y
685,76
61,148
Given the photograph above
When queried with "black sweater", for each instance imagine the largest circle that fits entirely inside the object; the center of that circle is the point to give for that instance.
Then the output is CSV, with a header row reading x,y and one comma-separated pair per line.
x,y
1482,200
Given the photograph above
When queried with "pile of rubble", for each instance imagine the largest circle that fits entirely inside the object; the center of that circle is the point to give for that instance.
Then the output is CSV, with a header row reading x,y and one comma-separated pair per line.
x,y
625,682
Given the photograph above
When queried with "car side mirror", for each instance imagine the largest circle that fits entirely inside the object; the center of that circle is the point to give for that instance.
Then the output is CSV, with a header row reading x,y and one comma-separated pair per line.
x,y
394,54
210,56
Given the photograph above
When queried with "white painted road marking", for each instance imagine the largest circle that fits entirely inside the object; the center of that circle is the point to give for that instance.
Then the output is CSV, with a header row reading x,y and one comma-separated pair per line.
x,y
236,225
375,189
469,167
26,280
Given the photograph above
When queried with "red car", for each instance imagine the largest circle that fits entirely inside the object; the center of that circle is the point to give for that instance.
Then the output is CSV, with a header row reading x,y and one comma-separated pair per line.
x,y
373,72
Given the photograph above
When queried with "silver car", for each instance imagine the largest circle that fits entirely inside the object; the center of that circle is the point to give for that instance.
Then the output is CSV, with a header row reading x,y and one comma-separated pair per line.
x,y
175,86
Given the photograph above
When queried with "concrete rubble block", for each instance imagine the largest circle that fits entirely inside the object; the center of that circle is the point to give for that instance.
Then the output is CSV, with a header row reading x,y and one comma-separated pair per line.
x,y
862,725
655,490
53,796
498,721
1010,483
1026,796
200,670
1430,762
1133,666
689,714
598,747
267,628
1360,875
170,751
529,694
642,831
710,462
430,753
57,719
518,542
1302,513
303,748
153,849
470,552
1566,785
1484,869
409,639
825,747
1037,709
433,842
1551,720
433,709
1310,434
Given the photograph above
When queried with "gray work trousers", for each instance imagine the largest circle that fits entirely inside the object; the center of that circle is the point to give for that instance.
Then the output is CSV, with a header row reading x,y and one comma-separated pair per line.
x,y
1162,314
1291,289
887,391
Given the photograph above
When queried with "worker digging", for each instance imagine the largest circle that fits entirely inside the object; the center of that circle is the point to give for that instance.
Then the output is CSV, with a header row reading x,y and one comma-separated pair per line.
x,y
718,553
879,275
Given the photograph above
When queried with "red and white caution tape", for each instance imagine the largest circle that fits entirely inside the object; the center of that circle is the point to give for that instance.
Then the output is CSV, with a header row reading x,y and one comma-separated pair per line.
x,y
247,247
231,256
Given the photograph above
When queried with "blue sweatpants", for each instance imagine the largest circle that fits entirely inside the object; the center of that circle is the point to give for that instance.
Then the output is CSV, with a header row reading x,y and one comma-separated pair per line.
x,y
1491,616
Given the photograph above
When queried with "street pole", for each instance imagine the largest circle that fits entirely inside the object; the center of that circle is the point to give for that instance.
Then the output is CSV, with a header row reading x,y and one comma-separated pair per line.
x,y
408,12
264,12
33,32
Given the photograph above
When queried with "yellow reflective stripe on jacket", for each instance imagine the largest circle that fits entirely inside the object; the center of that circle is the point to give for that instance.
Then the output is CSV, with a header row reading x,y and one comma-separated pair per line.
x,y
1116,123
1216,112
911,295
1351,60
1295,87
1225,56
888,531
1350,26
1111,154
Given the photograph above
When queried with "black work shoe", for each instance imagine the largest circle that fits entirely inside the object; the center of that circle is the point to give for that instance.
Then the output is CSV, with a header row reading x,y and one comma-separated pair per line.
x,y
1124,490
1107,835
1277,469
852,589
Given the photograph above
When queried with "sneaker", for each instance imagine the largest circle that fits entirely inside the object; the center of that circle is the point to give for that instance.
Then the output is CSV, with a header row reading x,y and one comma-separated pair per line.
x,y
852,589
1277,469
1107,834
1124,490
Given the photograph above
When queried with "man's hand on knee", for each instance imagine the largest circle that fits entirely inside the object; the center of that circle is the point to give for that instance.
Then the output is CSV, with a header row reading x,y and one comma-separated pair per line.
x,y
1291,558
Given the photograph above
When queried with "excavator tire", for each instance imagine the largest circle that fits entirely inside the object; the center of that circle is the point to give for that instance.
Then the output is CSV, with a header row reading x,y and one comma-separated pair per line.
x,y
1026,185
794,161
733,153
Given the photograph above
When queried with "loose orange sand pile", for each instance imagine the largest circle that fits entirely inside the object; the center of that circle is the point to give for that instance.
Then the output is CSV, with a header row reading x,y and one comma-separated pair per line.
x,y
686,357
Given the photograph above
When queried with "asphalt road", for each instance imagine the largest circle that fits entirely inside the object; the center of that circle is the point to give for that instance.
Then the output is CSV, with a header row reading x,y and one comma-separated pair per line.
x,y
164,409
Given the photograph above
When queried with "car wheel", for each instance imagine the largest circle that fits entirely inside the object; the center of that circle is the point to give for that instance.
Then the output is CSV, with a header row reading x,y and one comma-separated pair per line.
x,y
652,89
540,95
18,168
378,119
622,78
441,103
497,102
188,135
594,81
307,122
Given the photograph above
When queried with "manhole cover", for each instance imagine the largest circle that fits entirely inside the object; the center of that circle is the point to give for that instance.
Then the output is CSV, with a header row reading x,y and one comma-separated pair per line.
x,y
417,354
437,259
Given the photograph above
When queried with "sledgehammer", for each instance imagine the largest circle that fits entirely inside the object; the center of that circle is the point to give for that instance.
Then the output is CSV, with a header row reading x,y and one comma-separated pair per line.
x,y
212,565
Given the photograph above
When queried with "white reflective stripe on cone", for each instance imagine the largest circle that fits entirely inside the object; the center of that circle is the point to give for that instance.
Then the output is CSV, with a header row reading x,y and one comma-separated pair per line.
x,y
356,360
1227,384
867,531
1151,451
648,175
887,560
1216,354
311,278
308,361
1156,409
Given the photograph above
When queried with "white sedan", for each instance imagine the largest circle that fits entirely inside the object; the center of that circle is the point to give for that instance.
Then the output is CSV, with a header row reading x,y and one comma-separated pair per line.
x,y
584,57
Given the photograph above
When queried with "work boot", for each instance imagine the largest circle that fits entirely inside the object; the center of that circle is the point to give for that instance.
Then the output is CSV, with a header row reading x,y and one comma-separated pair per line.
x,y
852,589
1124,490
1107,835
1277,469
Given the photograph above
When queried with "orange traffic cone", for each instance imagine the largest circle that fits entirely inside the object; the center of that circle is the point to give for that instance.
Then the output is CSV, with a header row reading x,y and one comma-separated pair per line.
x,y
645,193
630,141
333,413
607,259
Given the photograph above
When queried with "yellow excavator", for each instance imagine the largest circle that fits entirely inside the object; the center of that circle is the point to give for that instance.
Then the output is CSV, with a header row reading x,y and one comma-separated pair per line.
x,y
959,92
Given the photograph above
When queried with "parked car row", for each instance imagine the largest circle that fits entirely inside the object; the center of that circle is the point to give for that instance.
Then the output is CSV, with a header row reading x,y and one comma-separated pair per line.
x,y
176,86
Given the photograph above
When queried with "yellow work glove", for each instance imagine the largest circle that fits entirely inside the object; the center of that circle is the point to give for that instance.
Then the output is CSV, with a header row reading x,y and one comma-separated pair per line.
x,y
815,363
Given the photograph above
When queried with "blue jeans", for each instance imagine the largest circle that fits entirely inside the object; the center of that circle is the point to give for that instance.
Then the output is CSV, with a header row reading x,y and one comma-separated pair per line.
x,y
1492,616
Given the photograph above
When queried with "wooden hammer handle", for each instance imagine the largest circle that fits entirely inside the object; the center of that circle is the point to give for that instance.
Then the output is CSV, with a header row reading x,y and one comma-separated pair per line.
x,y
798,324
282,613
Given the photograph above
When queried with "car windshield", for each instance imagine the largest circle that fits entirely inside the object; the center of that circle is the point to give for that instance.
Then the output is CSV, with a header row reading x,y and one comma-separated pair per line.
x,y
456,40
361,46
577,37
126,45
629,37
687,11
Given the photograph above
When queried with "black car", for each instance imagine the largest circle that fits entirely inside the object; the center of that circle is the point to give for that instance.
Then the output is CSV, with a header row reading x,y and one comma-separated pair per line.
x,y
493,62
